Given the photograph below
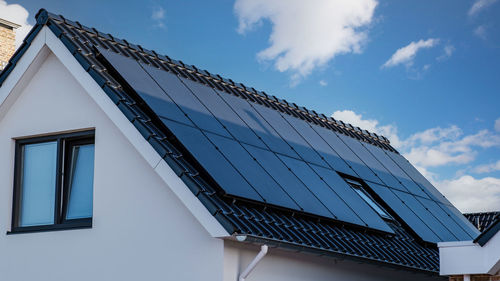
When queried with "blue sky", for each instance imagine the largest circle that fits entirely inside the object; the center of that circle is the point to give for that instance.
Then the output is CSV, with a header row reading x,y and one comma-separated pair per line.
x,y
423,73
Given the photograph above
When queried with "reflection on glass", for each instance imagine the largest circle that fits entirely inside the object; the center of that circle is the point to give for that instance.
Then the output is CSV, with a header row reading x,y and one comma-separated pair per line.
x,y
80,182
368,199
38,184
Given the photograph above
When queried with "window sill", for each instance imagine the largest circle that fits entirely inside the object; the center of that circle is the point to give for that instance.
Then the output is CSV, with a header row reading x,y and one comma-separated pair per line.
x,y
80,224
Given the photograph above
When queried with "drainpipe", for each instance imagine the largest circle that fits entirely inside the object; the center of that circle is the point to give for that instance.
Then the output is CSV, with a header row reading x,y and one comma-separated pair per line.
x,y
253,264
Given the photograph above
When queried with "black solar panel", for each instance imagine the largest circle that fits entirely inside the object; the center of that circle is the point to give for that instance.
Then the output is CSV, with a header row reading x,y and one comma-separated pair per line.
x,y
404,211
259,153
251,151
212,160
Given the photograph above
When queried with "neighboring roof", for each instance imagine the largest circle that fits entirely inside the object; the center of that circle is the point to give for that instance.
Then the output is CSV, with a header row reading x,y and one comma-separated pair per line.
x,y
489,232
261,222
9,24
482,220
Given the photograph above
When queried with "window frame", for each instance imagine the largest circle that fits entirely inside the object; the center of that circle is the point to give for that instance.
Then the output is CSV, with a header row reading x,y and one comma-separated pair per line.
x,y
356,185
61,188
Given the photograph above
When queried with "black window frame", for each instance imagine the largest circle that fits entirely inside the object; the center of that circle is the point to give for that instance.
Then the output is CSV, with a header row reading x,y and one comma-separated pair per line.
x,y
65,142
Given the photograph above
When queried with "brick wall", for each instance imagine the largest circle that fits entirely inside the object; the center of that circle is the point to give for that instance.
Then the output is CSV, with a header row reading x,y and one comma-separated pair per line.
x,y
477,278
7,47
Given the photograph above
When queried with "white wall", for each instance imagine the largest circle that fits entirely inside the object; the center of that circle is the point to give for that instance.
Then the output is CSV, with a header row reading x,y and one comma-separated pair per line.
x,y
282,265
141,231
467,257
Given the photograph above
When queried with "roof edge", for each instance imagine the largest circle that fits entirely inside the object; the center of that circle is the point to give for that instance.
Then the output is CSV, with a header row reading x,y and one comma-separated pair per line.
x,y
252,239
9,24
488,233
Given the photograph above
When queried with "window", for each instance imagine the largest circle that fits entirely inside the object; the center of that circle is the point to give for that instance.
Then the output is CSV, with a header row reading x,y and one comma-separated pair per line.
x,y
360,190
53,182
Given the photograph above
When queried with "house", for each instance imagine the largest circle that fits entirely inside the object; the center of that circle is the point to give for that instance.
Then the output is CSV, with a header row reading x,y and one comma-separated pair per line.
x,y
123,164
476,260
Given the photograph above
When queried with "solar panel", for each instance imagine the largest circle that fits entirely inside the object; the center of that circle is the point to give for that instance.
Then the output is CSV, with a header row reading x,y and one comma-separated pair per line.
x,y
224,113
418,177
250,168
359,208
293,139
290,183
258,153
407,215
461,219
395,170
186,100
328,155
347,154
258,125
434,194
380,171
146,87
445,219
221,170
430,219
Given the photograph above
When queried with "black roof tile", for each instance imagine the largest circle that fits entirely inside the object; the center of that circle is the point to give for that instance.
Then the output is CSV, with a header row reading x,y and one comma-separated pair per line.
x,y
482,220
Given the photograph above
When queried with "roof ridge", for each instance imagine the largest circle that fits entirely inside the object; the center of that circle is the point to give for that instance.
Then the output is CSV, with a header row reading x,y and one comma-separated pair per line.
x,y
224,84
480,213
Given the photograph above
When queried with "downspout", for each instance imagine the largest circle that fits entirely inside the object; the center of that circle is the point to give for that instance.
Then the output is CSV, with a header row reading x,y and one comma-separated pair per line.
x,y
253,264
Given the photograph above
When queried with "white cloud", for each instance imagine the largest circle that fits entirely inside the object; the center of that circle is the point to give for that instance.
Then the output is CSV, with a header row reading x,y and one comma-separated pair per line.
x,y
471,194
17,14
497,125
307,34
158,16
351,117
448,50
407,54
447,146
487,168
480,32
323,83
480,5
440,147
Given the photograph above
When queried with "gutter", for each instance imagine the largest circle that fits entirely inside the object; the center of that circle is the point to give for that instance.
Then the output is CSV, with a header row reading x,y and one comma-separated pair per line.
x,y
295,247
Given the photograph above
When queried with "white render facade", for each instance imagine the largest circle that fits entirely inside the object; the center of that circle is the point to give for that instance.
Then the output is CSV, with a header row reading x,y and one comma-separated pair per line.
x,y
147,225
468,260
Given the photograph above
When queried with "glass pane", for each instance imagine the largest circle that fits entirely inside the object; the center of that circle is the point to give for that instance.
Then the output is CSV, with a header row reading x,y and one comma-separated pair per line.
x,y
437,227
445,219
290,183
213,161
38,184
174,88
288,133
147,88
408,216
80,182
356,204
345,152
261,127
224,113
370,202
394,169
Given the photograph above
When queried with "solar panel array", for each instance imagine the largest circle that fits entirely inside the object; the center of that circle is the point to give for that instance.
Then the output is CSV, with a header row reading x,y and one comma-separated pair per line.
x,y
258,153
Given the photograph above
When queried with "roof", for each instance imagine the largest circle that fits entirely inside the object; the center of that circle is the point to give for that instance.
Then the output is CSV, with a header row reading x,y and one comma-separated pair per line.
x,y
483,219
406,242
9,24
489,232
